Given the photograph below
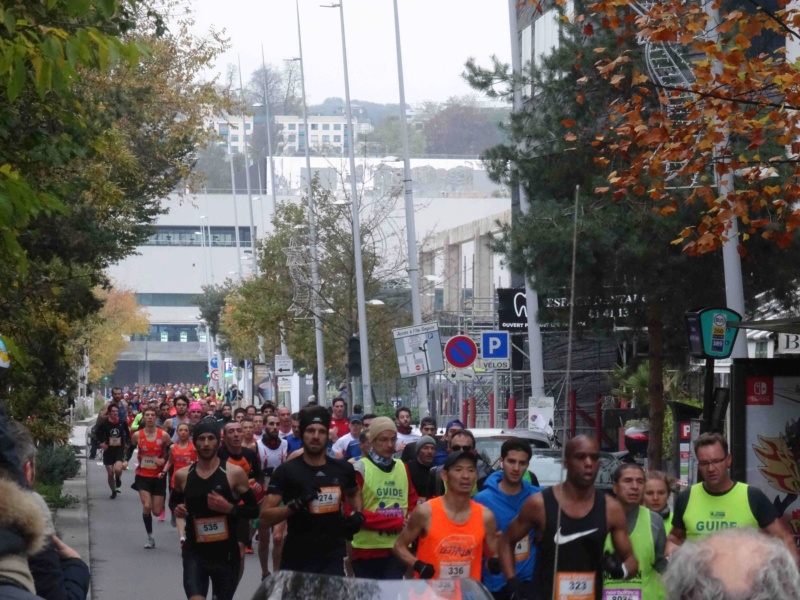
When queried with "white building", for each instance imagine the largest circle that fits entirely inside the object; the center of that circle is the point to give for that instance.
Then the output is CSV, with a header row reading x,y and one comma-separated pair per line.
x,y
326,134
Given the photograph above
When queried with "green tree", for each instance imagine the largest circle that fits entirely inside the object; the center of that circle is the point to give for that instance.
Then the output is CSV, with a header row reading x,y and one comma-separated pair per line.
x,y
623,246
385,138
463,128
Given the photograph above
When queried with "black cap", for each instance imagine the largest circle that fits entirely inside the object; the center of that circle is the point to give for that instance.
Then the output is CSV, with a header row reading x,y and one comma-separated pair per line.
x,y
455,456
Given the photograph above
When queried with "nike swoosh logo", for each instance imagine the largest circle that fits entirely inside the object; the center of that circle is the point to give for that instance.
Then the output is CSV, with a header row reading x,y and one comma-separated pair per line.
x,y
561,539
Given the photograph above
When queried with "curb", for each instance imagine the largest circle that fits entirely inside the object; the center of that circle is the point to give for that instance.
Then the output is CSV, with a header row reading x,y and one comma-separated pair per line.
x,y
72,524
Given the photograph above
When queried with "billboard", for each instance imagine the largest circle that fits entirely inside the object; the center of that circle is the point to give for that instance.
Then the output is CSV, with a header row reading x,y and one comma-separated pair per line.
x,y
765,426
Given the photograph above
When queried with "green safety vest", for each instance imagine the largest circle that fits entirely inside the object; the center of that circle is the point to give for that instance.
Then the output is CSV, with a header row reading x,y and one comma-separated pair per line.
x,y
383,493
668,523
646,585
706,514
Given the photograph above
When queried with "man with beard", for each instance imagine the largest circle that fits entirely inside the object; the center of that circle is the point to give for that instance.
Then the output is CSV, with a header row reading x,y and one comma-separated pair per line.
x,y
272,452
212,496
571,521
420,467
405,432
114,437
232,452
312,488
226,416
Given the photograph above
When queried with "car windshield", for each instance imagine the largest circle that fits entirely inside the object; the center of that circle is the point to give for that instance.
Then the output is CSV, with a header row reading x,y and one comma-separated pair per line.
x,y
547,467
288,585
489,448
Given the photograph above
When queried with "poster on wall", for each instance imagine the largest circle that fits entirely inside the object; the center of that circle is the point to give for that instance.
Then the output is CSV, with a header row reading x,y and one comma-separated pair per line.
x,y
766,417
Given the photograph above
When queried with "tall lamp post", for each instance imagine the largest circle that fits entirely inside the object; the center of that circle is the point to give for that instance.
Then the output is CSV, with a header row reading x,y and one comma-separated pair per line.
x,y
366,382
411,234
312,231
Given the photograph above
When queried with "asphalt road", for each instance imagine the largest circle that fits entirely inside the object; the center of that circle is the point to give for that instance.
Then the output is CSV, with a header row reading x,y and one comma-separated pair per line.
x,y
121,568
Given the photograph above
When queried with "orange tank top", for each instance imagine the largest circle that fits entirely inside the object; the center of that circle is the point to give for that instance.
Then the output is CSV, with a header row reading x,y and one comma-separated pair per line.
x,y
182,457
149,451
455,550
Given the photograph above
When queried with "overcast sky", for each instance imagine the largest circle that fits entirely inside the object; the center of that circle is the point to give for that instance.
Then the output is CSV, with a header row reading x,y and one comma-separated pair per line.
x,y
438,36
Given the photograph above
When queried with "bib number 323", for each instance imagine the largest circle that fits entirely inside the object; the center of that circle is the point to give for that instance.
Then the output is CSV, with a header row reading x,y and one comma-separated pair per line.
x,y
575,586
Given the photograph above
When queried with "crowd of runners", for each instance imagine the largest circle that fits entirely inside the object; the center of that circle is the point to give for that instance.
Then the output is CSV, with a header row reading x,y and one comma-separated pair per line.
x,y
374,497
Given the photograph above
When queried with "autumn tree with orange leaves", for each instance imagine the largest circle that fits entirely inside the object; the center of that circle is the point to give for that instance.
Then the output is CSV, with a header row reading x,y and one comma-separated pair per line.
x,y
596,120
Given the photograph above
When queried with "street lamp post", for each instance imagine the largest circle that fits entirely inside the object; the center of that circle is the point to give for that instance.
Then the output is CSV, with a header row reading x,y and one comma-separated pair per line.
x,y
312,231
235,210
411,234
366,382
270,158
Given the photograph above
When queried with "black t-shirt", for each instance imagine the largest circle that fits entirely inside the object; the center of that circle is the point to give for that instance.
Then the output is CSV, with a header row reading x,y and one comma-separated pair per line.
x,y
763,510
419,477
116,435
318,530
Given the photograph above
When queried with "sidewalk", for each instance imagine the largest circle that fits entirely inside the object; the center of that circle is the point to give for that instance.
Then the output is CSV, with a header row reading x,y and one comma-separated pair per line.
x,y
72,524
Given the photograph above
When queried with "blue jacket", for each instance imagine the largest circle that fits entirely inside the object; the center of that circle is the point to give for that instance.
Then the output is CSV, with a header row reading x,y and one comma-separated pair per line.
x,y
505,508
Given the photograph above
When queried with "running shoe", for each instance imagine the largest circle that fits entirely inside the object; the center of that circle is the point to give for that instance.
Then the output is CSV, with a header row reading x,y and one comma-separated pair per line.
x,y
151,543
119,490
114,495
162,515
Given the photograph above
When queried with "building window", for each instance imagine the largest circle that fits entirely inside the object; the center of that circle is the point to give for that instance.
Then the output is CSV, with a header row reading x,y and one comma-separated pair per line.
x,y
234,137
302,126
170,333
762,349
326,139
314,127
248,125
223,129
292,126
314,140
337,126
292,137
325,127
190,236
337,139
166,299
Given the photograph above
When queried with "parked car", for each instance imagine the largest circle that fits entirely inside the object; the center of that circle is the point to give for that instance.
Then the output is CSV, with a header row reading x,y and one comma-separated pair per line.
x,y
489,441
288,585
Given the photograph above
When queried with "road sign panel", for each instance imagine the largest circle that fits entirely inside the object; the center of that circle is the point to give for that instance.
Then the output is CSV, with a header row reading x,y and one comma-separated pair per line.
x,y
214,374
283,365
419,350
284,384
495,345
460,351
467,374
502,364
214,362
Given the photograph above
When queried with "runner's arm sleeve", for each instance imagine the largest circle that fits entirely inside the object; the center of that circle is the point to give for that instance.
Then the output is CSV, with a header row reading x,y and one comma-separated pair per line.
x,y
659,542
679,509
129,452
101,434
763,510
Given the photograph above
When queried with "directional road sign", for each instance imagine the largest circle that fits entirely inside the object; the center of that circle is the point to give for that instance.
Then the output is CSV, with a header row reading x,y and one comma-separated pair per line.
x,y
214,362
496,350
283,365
419,350
214,374
460,351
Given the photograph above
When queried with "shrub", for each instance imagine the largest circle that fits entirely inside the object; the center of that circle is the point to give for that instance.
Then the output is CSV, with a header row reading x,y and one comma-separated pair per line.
x,y
51,492
54,464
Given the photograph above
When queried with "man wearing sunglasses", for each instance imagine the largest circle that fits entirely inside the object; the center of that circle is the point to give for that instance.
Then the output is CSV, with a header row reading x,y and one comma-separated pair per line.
x,y
461,441
720,503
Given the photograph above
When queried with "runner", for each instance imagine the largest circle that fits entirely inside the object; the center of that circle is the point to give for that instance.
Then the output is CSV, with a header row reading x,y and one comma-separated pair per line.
x,y
258,426
182,454
272,452
114,438
339,423
232,452
504,493
648,538
453,531
150,479
294,439
719,502
212,496
250,411
181,416
420,467
578,534
656,496
163,417
405,432
388,497
312,487
195,413
341,446
285,417
226,416
239,414
248,441
427,426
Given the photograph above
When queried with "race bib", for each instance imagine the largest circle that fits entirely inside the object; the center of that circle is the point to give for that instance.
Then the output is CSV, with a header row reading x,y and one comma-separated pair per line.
x,y
328,501
574,586
148,462
522,551
115,441
622,594
454,570
211,529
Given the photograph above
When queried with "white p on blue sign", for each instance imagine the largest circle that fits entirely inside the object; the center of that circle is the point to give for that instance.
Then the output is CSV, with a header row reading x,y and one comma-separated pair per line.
x,y
496,350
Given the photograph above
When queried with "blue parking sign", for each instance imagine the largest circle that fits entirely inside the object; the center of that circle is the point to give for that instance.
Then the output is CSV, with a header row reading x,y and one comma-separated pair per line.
x,y
495,345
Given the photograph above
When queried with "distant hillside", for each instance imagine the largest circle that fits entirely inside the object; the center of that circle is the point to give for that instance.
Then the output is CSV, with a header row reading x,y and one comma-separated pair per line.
x,y
375,112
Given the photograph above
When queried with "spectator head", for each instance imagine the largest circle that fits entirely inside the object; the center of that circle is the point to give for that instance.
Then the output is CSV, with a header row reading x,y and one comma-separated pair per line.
x,y
735,564
427,426
25,447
